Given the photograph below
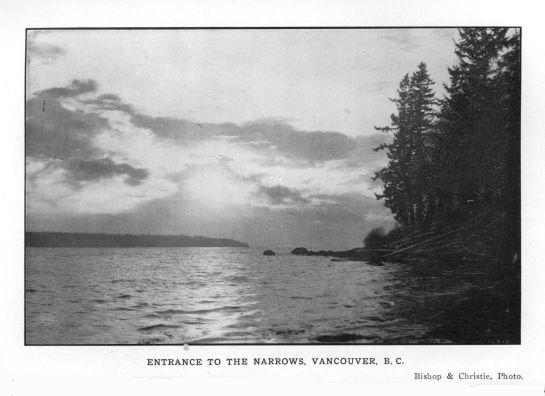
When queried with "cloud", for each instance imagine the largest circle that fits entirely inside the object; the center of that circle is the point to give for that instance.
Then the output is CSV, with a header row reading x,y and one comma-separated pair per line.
x,y
271,138
76,87
265,135
94,161
67,171
54,131
182,131
108,97
337,222
46,52
402,37
280,195
50,192
315,146
109,102
363,154
89,170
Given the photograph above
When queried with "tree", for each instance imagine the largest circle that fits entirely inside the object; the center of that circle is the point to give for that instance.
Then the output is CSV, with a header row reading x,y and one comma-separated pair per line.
x,y
406,181
511,103
463,160
375,239
471,147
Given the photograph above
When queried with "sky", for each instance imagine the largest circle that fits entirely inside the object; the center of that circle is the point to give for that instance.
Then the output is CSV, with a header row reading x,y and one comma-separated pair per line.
x,y
265,136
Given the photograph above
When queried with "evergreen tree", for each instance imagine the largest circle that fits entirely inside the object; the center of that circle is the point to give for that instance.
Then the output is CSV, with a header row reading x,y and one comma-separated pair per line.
x,y
463,160
405,179
471,148
510,96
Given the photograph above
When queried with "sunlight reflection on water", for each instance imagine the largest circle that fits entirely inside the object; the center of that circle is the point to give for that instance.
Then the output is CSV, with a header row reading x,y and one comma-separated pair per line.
x,y
208,295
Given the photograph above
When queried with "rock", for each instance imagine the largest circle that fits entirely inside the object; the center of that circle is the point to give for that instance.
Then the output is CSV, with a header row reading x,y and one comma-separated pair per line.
x,y
269,253
299,250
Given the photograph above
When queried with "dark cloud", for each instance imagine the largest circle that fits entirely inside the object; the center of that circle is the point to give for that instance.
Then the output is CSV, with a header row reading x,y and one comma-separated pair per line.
x,y
110,102
49,124
265,136
341,222
109,97
183,131
342,212
57,133
53,131
91,170
45,51
76,87
278,195
316,146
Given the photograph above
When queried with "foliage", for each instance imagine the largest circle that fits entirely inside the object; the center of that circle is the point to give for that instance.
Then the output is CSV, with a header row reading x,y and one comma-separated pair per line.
x,y
452,156
375,239
406,187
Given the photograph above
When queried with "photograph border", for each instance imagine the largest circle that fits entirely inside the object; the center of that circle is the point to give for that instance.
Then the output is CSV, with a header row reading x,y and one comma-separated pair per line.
x,y
250,344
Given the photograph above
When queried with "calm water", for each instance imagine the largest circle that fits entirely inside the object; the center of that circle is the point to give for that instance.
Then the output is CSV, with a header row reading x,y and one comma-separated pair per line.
x,y
223,295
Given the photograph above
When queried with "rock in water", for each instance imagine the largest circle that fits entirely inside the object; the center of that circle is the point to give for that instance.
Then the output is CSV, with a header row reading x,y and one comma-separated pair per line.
x,y
269,253
299,250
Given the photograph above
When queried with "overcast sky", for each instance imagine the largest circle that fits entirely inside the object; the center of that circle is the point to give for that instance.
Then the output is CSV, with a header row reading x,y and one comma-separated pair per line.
x,y
264,136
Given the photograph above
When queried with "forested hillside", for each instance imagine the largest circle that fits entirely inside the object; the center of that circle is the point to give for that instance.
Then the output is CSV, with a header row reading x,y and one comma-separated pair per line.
x,y
67,239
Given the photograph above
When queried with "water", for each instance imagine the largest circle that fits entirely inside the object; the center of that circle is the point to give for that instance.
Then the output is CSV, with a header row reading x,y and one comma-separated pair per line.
x,y
237,295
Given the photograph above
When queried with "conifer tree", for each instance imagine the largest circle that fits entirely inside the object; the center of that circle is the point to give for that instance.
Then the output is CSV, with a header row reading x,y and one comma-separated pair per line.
x,y
405,178
464,158
471,147
511,102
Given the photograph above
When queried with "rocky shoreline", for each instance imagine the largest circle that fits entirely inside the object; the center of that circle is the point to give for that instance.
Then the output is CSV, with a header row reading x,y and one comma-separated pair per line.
x,y
356,254
481,239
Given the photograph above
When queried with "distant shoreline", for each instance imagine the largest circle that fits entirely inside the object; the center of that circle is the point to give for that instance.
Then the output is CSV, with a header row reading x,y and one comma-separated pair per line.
x,y
68,239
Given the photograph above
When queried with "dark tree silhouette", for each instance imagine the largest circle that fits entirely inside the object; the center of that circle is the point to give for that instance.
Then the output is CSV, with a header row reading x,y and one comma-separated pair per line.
x,y
459,157
406,184
472,147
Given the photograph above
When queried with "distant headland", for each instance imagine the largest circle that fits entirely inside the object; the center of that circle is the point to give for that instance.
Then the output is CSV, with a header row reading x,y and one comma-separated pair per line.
x,y
68,239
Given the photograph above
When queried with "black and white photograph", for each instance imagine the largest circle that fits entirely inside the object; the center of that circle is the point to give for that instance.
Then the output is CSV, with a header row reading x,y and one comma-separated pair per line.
x,y
249,186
